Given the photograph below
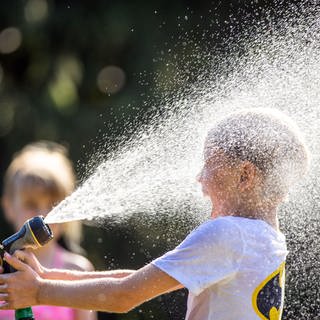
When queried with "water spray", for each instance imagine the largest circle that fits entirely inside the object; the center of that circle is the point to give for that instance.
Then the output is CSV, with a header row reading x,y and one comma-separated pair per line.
x,y
32,235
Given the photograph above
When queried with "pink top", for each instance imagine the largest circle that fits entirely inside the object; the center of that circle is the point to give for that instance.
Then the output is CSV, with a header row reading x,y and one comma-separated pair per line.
x,y
46,312
43,313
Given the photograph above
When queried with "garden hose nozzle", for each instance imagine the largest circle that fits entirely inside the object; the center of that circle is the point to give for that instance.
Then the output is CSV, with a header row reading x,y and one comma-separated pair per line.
x,y
33,234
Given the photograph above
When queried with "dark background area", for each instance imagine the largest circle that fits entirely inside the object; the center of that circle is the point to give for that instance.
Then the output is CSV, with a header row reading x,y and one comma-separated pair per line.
x,y
89,73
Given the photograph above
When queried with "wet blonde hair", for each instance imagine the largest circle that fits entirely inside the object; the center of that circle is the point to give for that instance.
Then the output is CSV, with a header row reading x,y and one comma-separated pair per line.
x,y
46,165
268,139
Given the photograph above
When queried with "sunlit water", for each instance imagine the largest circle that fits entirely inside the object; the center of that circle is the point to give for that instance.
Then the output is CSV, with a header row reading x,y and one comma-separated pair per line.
x,y
154,173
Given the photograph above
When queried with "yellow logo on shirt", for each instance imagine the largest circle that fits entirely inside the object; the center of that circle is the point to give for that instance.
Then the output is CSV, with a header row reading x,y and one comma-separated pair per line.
x,y
267,299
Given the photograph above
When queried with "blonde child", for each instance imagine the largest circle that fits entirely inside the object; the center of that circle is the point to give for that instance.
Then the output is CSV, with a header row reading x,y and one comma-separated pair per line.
x,y
232,265
39,177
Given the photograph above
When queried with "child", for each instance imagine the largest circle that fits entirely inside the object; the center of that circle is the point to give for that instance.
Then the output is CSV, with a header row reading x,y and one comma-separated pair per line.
x,y
39,177
232,265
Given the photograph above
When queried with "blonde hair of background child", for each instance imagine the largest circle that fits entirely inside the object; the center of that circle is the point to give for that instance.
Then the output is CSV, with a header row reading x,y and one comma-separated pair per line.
x,y
45,164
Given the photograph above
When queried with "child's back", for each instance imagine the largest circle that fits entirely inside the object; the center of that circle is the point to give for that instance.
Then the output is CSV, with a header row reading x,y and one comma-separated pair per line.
x,y
233,268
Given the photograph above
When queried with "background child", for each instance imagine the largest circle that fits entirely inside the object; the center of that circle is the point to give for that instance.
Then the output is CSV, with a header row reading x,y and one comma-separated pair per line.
x,y
233,264
38,178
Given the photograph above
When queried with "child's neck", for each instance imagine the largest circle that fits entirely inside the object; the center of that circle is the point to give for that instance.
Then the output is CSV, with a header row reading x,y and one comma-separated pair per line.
x,y
266,213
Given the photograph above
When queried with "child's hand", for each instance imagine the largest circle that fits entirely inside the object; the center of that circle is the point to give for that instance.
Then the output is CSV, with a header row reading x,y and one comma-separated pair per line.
x,y
30,259
18,289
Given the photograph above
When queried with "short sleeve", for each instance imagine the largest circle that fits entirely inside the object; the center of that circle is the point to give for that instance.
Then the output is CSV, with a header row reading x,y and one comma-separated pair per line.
x,y
209,254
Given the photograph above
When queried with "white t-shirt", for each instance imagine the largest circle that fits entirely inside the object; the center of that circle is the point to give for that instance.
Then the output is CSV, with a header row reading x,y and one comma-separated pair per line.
x,y
233,268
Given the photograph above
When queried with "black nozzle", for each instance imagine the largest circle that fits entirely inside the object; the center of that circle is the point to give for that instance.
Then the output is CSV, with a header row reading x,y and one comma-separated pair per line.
x,y
33,234
40,230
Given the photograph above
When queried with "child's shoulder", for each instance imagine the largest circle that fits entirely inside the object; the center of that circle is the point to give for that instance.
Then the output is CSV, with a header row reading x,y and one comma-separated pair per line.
x,y
233,226
221,223
217,229
240,222
254,228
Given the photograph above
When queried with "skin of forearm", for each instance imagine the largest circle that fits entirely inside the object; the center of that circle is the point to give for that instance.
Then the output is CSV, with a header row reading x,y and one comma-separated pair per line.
x,y
59,274
111,294
105,294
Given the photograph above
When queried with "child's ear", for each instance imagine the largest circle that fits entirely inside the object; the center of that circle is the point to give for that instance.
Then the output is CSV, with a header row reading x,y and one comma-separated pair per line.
x,y
248,173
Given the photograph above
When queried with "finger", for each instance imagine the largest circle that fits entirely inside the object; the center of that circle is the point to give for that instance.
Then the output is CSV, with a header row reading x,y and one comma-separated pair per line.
x,y
4,277
4,297
3,288
14,262
21,255
4,306
27,257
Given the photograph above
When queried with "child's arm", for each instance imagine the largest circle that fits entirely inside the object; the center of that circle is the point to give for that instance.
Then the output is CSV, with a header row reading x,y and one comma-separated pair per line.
x,y
25,287
61,274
